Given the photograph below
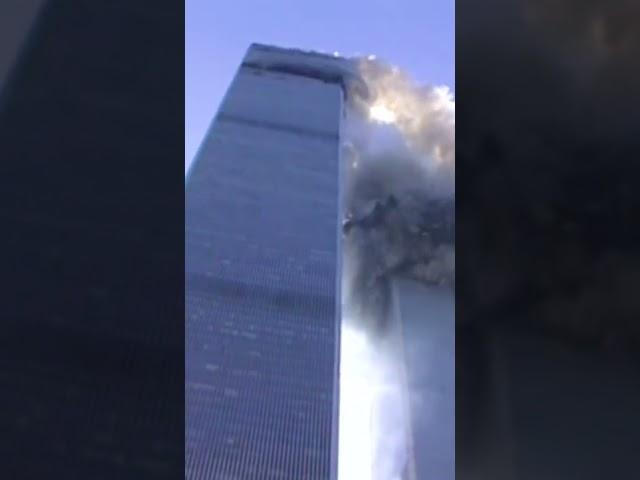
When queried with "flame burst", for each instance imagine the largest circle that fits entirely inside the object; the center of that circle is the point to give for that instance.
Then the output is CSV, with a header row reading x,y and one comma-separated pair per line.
x,y
380,113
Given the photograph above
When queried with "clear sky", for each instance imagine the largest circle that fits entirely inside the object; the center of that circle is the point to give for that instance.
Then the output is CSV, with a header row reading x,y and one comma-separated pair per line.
x,y
415,35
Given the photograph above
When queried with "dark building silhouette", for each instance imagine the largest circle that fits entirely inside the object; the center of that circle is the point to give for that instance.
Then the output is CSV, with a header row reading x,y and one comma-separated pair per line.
x,y
91,122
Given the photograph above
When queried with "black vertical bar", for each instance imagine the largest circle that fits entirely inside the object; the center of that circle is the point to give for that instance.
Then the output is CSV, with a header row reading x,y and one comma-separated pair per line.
x,y
92,209
547,144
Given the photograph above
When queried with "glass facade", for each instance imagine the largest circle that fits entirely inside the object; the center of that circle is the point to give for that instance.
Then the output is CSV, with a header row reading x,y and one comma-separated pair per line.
x,y
427,317
262,263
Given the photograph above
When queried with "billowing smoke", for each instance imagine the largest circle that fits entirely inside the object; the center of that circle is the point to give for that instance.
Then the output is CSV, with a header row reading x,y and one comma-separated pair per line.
x,y
399,171
398,207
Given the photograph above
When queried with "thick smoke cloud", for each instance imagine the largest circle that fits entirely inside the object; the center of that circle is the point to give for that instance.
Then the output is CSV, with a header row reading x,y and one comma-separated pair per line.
x,y
407,162
548,146
398,188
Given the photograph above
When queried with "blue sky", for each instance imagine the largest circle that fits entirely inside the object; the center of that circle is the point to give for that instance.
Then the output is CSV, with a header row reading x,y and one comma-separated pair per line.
x,y
416,35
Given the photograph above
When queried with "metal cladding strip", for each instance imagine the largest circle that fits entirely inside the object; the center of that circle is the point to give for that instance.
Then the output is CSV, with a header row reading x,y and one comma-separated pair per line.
x,y
307,72
320,66
338,324
397,318
305,132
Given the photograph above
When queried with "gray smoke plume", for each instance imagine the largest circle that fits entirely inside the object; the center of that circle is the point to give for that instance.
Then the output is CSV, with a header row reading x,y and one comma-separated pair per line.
x,y
399,207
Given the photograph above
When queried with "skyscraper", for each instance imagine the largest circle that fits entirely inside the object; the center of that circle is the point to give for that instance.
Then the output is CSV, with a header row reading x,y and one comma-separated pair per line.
x,y
262,274
426,317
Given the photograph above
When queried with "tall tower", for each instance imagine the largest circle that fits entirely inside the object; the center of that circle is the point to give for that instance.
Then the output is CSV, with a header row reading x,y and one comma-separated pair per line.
x,y
262,274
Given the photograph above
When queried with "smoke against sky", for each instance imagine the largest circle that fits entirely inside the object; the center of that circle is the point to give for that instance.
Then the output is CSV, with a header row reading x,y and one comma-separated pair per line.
x,y
398,144
411,159
219,33
217,36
